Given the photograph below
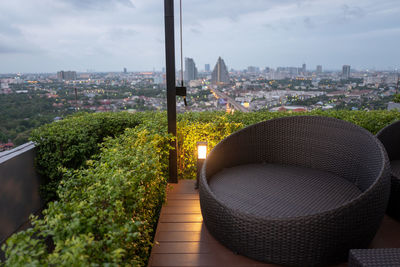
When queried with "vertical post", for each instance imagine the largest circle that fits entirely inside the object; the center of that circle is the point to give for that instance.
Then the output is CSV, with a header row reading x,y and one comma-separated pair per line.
x,y
171,85
76,99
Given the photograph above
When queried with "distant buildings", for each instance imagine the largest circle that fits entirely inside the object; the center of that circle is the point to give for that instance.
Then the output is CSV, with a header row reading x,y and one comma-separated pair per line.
x,y
190,73
289,70
319,69
303,68
66,75
220,74
346,72
125,71
252,69
207,67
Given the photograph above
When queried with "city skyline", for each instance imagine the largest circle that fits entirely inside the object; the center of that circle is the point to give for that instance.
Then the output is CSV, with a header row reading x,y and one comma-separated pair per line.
x,y
107,35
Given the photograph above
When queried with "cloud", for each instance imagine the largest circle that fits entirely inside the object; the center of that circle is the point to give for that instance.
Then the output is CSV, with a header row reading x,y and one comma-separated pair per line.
x,y
19,48
309,23
98,4
107,34
350,13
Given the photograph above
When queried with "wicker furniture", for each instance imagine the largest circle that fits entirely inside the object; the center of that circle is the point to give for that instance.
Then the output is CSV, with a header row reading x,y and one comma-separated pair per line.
x,y
380,257
298,191
390,138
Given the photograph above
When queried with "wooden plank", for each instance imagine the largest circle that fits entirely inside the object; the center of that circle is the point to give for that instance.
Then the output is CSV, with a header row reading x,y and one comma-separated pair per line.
x,y
181,210
185,237
181,218
184,186
183,196
181,202
163,260
181,248
183,227
205,260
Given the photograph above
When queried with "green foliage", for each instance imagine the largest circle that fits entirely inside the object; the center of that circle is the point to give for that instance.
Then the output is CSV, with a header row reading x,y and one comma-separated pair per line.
x,y
396,98
108,206
372,121
106,213
70,142
190,132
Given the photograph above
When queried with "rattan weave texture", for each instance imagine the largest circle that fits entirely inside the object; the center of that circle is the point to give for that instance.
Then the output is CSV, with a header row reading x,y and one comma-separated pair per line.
x,y
390,138
281,191
319,144
382,257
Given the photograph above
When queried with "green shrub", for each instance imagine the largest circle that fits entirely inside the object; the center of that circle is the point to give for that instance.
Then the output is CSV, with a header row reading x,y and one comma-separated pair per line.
x,y
396,98
106,213
108,208
372,121
70,142
190,132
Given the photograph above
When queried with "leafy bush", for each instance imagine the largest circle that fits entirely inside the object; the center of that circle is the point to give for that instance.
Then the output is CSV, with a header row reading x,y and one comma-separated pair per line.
x,y
190,132
372,121
396,98
108,208
70,142
106,213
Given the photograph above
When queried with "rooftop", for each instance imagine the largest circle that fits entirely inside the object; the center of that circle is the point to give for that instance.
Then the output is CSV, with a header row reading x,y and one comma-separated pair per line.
x,y
183,240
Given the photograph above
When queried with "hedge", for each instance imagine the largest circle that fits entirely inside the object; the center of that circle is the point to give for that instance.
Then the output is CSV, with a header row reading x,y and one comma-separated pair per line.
x,y
70,142
106,212
108,205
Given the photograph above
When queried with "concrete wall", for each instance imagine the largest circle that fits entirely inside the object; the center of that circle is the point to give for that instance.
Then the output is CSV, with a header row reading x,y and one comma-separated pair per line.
x,y
19,189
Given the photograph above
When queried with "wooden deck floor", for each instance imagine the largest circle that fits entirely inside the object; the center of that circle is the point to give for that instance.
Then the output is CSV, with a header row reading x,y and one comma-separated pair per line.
x,y
182,239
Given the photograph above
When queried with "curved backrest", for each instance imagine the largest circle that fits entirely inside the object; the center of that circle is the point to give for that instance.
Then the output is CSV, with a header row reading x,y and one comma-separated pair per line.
x,y
321,143
390,138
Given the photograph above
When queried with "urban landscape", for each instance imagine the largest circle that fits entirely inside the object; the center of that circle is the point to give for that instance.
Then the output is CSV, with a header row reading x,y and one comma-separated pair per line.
x,y
55,95
200,133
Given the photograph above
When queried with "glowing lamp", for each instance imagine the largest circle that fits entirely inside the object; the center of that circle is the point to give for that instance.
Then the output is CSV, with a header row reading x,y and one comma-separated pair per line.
x,y
201,150
201,156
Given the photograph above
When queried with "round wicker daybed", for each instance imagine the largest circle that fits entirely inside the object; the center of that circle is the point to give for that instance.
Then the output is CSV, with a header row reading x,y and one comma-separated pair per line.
x,y
297,191
390,138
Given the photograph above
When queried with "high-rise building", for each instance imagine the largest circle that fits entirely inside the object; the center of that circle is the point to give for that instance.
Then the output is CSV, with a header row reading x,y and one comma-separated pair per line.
x,y
303,68
220,74
207,67
66,75
190,73
346,72
319,69
125,71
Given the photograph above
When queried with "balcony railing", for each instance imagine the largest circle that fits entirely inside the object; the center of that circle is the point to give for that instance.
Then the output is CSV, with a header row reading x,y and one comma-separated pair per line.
x,y
19,190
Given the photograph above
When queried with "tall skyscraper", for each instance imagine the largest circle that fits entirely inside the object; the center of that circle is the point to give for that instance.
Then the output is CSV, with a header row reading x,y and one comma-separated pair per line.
x,y
303,68
125,71
220,74
66,75
319,69
346,72
207,67
190,70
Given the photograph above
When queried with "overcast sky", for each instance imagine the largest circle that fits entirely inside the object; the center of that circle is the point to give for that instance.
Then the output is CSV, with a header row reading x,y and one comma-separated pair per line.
x,y
107,35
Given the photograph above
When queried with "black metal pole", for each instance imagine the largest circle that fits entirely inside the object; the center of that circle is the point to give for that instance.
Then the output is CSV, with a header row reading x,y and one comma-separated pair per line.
x,y
171,84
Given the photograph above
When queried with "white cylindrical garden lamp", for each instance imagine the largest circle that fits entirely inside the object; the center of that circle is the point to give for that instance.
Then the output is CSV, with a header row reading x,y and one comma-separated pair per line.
x,y
201,157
